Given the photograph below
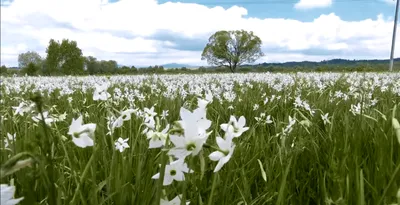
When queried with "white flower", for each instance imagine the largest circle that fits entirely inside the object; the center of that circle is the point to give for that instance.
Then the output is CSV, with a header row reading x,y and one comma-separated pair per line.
x,y
195,127
289,127
268,119
194,121
10,138
157,139
174,171
298,102
175,201
266,100
7,195
126,115
62,117
82,134
325,118
101,93
373,102
292,121
261,119
184,146
209,97
273,97
237,126
202,103
22,108
149,113
164,114
223,155
121,144
47,120
355,109
255,107
150,123
117,123
113,123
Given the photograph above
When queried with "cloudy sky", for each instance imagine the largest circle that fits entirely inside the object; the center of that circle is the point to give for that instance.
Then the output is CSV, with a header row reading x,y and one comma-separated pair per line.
x,y
150,32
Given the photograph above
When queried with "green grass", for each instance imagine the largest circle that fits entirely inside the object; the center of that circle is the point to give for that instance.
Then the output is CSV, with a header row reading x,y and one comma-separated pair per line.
x,y
353,160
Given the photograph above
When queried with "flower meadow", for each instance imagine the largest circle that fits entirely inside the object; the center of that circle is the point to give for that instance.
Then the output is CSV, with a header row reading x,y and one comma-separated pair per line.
x,y
242,139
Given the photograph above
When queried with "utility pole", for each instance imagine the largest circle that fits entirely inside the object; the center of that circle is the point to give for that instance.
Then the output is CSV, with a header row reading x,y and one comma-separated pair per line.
x,y
394,36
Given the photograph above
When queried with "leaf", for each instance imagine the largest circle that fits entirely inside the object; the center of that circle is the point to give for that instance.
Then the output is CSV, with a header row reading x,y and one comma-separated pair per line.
x,y
361,196
306,123
369,117
383,116
202,165
263,174
396,126
101,185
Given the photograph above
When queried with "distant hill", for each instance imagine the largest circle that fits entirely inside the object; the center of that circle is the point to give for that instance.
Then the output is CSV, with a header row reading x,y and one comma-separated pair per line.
x,y
309,64
177,65
339,62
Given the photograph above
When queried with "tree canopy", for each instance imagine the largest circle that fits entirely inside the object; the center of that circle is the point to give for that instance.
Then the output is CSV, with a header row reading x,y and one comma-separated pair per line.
x,y
65,57
24,59
232,49
31,69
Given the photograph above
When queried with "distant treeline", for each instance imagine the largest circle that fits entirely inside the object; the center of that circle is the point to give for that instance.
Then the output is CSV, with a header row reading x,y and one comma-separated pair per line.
x,y
66,58
32,64
95,67
333,62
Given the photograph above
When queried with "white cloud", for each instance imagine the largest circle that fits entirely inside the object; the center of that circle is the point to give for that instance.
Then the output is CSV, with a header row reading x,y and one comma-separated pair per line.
x,y
390,1
311,4
125,31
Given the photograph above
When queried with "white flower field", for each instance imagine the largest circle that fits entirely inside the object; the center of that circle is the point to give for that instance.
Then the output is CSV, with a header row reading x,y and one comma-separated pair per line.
x,y
223,139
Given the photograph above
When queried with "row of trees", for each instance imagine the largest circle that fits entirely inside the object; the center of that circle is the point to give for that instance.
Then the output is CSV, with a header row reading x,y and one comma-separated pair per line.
x,y
226,50
65,58
62,58
359,67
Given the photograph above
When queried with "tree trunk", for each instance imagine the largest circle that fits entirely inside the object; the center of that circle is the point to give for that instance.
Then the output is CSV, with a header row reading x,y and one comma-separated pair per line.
x,y
232,68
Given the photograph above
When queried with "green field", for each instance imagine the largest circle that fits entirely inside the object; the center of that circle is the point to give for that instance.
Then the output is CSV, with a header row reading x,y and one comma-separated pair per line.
x,y
308,138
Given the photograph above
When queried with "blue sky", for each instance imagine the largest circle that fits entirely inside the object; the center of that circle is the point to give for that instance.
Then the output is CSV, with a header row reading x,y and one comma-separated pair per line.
x,y
349,10
149,32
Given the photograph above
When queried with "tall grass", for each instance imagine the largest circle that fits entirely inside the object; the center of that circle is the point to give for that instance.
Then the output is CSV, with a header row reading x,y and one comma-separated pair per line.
x,y
354,159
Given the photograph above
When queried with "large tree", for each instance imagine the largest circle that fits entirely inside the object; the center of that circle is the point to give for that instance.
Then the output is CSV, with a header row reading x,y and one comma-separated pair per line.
x,y
92,65
108,67
65,57
24,59
232,48
31,69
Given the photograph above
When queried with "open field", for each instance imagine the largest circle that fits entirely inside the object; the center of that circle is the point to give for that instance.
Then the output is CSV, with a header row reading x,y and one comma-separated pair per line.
x,y
261,138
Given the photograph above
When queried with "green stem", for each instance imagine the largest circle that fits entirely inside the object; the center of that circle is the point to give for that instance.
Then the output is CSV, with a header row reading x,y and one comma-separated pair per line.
x,y
85,171
70,164
184,187
48,146
390,183
213,188
162,173
283,184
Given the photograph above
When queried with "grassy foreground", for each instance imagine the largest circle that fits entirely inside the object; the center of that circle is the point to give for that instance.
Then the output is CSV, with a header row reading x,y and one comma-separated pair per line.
x,y
311,139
